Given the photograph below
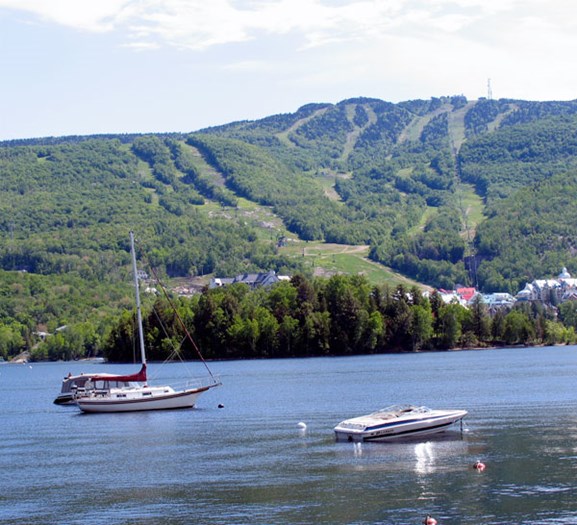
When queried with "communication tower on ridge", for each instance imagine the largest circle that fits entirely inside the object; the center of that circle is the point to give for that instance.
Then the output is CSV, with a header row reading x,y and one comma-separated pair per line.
x,y
489,90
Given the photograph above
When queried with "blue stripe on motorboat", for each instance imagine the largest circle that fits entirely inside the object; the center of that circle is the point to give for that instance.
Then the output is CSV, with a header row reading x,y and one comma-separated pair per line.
x,y
401,422
408,432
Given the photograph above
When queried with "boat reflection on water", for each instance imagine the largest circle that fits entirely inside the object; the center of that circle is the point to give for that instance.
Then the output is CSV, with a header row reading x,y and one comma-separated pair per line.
x,y
425,455
449,451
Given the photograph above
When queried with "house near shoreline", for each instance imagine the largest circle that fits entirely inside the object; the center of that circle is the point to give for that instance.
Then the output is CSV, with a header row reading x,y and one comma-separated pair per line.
x,y
449,297
43,334
461,295
551,291
465,296
253,280
498,301
548,291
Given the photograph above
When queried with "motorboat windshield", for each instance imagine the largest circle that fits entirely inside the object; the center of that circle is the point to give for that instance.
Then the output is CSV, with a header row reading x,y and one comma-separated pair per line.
x,y
398,411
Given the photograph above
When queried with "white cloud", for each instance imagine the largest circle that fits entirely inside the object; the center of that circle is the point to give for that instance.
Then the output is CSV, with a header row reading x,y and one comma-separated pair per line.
x,y
248,66
202,24
199,24
91,15
230,59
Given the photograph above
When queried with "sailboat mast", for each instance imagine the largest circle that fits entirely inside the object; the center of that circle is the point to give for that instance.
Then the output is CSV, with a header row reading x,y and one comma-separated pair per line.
x,y
137,295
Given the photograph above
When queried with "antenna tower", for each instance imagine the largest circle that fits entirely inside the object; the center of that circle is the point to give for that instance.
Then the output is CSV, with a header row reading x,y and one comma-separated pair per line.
x,y
489,90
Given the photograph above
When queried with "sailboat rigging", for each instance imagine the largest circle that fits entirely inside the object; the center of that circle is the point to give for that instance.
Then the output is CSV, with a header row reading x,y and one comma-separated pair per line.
x,y
131,393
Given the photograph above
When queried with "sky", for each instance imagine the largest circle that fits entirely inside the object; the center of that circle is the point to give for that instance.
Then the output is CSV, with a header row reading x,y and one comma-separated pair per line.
x,y
83,67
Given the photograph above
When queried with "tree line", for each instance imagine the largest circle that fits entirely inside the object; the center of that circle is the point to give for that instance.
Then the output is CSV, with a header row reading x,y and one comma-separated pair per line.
x,y
339,316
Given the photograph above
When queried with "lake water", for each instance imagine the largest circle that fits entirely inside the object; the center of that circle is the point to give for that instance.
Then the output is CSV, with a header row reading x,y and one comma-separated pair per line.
x,y
249,463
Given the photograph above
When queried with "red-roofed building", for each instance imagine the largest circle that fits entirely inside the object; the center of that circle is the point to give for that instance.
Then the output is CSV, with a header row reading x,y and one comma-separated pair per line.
x,y
466,293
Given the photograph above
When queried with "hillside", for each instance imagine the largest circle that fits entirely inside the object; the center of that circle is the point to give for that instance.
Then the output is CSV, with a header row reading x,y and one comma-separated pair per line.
x,y
412,180
441,191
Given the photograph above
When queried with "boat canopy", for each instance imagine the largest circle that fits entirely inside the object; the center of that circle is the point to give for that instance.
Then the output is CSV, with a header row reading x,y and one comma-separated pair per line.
x,y
138,377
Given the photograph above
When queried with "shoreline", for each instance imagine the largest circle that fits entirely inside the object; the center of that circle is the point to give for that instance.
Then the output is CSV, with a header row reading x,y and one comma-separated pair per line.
x,y
24,357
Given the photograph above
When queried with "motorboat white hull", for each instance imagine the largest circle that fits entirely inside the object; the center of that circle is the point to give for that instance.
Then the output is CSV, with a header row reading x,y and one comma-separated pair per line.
x,y
146,399
402,423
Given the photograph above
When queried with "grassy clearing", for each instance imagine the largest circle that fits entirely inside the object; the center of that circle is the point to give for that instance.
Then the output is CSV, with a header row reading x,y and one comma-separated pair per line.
x,y
414,129
457,125
284,135
322,259
427,214
405,172
326,180
325,260
472,207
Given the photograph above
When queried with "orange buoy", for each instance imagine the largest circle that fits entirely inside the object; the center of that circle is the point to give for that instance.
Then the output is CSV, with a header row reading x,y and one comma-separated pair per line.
x,y
479,466
429,520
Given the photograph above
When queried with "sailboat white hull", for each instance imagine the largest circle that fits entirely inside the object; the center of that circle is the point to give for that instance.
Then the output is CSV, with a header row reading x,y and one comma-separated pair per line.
x,y
130,393
141,399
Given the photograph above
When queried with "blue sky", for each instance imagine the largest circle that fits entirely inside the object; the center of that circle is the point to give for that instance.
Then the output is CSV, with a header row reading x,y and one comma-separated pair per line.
x,y
79,67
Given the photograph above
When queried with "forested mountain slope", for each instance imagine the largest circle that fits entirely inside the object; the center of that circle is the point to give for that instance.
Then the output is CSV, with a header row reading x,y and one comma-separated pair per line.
x,y
401,170
397,177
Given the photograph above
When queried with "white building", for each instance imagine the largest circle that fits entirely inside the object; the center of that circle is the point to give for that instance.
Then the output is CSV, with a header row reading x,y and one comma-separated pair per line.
x,y
562,289
253,280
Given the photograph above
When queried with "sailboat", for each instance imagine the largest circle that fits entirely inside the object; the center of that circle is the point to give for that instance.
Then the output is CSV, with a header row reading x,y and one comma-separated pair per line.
x,y
131,393
74,386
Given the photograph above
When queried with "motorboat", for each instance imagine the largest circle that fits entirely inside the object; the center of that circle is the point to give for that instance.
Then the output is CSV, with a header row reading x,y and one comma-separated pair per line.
x,y
397,422
131,393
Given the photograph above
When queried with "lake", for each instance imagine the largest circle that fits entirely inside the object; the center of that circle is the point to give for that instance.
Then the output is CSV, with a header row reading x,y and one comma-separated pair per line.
x,y
250,463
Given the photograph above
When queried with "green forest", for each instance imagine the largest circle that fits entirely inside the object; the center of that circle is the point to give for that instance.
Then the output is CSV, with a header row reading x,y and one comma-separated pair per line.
x,y
339,316
445,192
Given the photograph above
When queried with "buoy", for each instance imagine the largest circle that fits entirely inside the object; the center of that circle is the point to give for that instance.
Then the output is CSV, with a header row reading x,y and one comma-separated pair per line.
x,y
429,520
302,425
220,405
479,466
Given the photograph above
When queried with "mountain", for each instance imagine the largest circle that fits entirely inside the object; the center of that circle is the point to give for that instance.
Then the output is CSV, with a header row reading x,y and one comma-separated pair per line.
x,y
427,184
443,191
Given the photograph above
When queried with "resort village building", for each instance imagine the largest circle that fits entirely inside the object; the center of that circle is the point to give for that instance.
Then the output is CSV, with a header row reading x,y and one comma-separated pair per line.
x,y
253,280
551,291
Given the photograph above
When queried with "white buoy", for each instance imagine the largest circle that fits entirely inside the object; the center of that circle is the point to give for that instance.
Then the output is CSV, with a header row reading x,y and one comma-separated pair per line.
x,y
302,425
